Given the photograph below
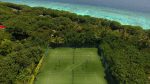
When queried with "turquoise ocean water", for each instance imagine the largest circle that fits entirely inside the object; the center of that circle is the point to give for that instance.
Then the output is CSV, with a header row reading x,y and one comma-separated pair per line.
x,y
123,16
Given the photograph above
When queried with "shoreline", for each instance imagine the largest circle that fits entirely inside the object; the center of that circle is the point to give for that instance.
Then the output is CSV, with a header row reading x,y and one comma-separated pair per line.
x,y
124,17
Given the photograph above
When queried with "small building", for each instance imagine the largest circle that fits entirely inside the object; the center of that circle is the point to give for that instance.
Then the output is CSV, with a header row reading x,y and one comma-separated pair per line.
x,y
2,27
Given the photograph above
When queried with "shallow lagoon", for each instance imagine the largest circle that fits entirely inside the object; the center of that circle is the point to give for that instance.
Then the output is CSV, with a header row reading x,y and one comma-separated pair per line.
x,y
123,16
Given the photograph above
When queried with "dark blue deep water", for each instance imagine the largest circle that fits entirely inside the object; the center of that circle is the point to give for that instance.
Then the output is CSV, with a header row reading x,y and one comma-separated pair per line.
x,y
132,5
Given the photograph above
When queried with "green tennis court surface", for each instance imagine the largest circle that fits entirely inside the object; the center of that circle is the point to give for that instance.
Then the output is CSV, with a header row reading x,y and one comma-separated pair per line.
x,y
71,66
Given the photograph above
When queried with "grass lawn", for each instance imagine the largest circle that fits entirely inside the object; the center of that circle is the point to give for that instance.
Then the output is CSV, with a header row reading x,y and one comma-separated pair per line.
x,y
71,66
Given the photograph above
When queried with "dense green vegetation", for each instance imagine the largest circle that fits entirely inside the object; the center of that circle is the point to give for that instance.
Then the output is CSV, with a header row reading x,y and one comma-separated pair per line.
x,y
125,62
125,49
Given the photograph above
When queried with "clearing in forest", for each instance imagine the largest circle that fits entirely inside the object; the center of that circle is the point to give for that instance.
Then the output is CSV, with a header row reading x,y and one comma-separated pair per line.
x,y
71,66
